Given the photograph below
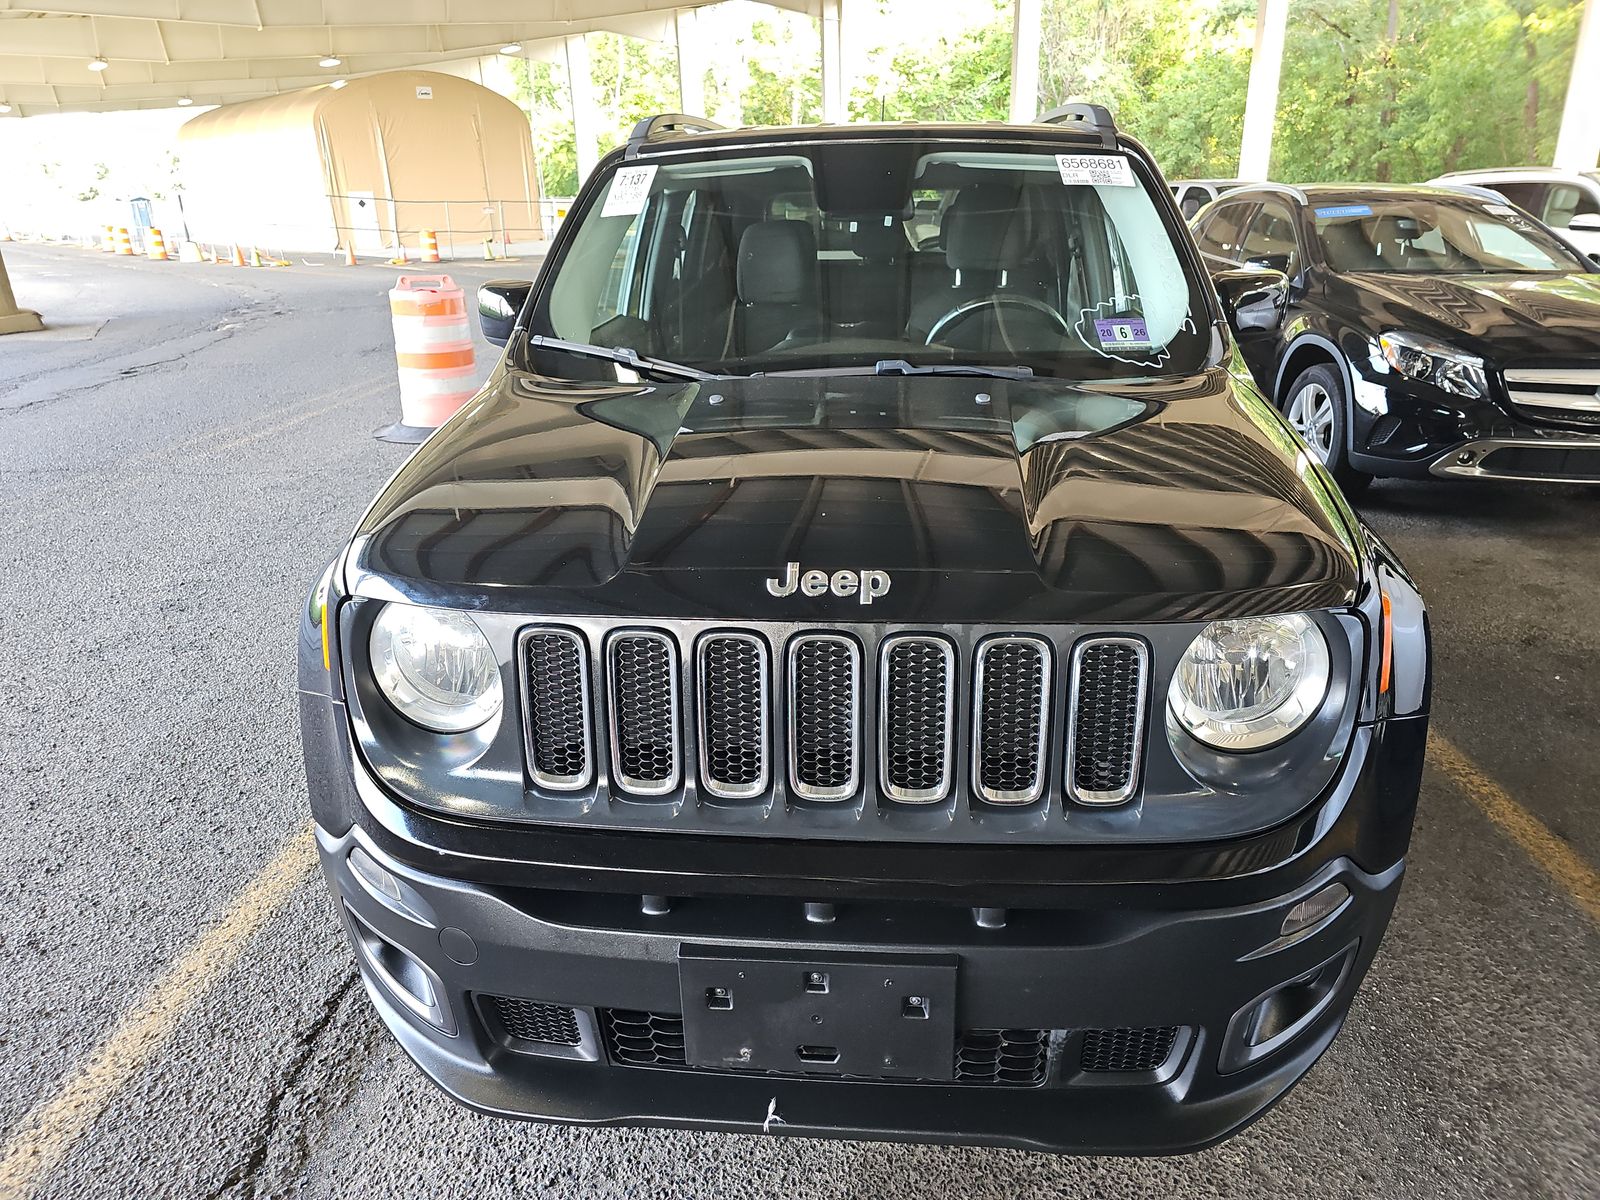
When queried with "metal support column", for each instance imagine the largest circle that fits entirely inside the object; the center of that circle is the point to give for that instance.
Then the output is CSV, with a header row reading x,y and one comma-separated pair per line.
x,y
691,63
585,119
1578,144
833,84
1024,61
1261,103
12,318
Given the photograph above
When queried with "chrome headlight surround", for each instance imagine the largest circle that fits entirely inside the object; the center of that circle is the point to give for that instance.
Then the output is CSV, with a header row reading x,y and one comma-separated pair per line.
x,y
435,667
1439,364
1249,683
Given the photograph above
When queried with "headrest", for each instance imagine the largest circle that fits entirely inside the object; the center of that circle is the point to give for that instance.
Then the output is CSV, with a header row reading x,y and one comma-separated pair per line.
x,y
879,239
777,263
1348,246
983,229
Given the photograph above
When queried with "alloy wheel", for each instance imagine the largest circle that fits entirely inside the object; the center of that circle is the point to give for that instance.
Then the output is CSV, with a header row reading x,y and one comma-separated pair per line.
x,y
1311,414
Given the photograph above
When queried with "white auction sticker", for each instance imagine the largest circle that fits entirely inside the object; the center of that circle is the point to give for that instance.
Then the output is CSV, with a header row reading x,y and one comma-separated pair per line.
x,y
1096,170
630,188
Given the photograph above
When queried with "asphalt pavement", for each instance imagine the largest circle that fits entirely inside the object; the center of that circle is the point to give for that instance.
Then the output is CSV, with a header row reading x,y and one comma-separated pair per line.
x,y
187,444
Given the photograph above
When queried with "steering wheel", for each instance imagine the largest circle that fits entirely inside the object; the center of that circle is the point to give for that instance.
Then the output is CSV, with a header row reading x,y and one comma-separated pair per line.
x,y
964,311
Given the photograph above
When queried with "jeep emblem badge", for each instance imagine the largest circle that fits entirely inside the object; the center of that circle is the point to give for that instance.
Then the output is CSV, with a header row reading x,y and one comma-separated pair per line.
x,y
868,585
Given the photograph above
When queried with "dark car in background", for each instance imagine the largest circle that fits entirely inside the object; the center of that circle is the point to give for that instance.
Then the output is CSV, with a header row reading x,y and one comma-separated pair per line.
x,y
838,682
1416,332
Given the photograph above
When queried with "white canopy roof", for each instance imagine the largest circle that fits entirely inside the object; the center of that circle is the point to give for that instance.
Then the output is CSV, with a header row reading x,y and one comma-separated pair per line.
x,y
218,51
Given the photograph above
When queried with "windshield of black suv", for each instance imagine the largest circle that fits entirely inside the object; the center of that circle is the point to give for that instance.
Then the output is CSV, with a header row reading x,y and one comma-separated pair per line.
x,y
1437,237
876,253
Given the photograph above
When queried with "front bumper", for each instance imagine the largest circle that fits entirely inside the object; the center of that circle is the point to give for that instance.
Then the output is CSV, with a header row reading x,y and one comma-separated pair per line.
x,y
439,936
1534,456
1410,431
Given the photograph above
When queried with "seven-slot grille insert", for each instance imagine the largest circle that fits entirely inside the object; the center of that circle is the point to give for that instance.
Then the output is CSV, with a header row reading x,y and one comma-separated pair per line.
x,y
737,677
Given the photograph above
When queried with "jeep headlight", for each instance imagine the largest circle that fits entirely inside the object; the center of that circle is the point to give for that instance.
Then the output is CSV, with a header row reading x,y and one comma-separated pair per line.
x,y
1429,360
1247,684
436,667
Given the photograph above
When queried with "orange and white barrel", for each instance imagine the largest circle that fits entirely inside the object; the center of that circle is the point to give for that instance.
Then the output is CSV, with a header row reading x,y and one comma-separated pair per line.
x,y
430,246
433,349
124,242
158,247
108,240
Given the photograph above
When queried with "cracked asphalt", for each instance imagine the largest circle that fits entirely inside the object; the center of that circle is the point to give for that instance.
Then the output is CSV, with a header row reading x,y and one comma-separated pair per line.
x,y
183,449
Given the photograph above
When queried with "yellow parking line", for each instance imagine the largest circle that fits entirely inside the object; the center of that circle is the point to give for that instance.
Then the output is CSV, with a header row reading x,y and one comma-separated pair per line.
x,y
1552,855
43,1137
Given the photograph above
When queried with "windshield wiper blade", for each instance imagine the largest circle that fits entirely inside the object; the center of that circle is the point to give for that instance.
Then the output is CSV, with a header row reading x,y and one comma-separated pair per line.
x,y
625,355
899,366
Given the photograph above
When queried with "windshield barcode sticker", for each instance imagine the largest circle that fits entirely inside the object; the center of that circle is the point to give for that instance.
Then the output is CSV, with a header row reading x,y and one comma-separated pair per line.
x,y
1334,212
630,188
1095,170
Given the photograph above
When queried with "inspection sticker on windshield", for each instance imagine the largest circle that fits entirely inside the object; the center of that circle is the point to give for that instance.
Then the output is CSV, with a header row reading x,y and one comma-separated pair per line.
x,y
630,187
1333,211
1096,170
1129,332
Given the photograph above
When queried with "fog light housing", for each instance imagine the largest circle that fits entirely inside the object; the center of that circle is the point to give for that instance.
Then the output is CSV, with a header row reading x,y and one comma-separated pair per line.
x,y
1274,1019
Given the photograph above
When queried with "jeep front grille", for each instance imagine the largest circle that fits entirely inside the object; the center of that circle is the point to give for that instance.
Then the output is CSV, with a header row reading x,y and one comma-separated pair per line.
x,y
848,718
733,714
824,716
556,709
916,718
642,682
1009,746
1107,725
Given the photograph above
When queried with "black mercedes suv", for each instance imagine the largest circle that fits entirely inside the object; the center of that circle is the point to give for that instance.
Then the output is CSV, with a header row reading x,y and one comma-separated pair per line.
x,y
836,684
1420,332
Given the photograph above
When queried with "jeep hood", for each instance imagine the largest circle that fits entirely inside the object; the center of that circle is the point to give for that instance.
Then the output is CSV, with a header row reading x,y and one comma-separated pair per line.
x,y
980,499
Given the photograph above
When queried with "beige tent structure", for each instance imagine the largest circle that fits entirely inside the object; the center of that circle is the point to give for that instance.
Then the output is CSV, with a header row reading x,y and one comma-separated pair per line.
x,y
381,158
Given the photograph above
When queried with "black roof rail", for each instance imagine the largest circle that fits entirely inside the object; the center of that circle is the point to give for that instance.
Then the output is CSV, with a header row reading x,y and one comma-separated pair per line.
x,y
662,124
1096,116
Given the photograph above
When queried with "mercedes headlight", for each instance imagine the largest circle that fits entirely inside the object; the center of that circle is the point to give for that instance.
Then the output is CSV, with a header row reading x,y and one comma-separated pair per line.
x,y
436,667
1429,360
1247,684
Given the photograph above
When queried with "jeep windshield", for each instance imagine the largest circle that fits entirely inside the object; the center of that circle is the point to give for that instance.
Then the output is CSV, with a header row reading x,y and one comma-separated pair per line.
x,y
879,253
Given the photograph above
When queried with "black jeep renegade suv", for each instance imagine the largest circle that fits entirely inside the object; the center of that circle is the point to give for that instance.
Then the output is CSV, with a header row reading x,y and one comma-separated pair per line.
x,y
868,664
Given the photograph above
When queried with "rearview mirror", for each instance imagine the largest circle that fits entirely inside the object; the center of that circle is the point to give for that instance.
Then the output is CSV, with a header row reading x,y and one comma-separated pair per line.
x,y
499,302
1585,223
1252,300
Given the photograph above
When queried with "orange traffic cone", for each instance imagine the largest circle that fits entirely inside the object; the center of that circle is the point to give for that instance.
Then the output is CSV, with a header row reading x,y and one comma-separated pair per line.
x,y
158,246
349,254
430,246
238,256
255,257
488,249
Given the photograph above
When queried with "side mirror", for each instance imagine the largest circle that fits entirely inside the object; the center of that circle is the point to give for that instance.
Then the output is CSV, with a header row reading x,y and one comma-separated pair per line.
x,y
1254,299
1585,223
499,302
1269,262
